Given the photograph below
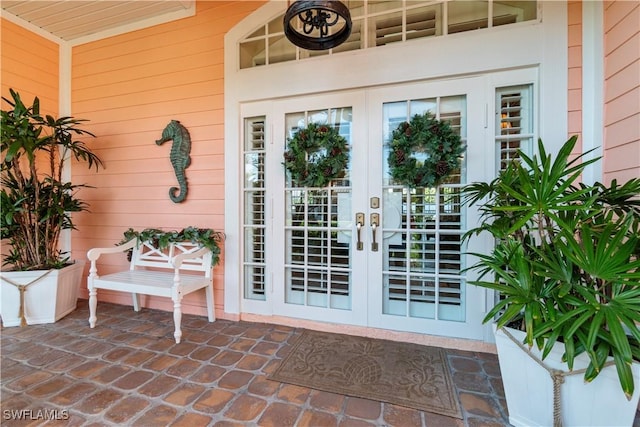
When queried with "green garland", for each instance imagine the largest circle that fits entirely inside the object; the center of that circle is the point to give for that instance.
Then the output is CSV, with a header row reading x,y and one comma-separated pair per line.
x,y
316,155
435,138
205,237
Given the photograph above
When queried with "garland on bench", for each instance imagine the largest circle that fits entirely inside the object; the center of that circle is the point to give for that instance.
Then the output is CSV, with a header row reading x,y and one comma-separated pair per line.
x,y
205,237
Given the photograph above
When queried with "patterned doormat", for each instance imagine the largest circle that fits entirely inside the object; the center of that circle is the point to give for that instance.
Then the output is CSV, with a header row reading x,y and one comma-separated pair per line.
x,y
404,374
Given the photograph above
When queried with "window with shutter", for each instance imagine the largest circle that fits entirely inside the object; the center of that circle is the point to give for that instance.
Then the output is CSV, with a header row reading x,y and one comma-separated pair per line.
x,y
254,208
514,123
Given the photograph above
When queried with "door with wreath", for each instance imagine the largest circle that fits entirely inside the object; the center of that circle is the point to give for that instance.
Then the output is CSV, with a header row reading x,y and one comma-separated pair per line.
x,y
366,218
430,142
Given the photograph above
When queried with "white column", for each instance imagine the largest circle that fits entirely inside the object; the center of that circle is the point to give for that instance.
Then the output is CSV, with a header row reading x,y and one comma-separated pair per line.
x,y
64,109
592,87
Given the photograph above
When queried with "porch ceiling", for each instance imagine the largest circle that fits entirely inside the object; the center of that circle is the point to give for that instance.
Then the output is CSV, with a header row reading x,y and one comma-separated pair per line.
x,y
73,20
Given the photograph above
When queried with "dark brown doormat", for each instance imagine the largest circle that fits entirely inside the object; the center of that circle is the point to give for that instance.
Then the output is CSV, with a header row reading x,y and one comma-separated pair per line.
x,y
404,374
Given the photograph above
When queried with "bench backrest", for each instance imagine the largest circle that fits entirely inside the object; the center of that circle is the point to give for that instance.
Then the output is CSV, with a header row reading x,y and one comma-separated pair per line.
x,y
147,255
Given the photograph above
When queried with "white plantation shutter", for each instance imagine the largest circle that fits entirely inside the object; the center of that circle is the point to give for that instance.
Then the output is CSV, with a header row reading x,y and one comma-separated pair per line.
x,y
254,209
354,42
514,123
397,27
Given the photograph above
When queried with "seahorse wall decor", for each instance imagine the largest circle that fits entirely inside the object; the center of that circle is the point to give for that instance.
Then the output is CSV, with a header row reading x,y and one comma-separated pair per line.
x,y
180,159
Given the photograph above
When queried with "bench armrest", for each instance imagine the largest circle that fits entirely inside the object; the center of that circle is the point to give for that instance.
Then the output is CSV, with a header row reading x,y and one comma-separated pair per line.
x,y
179,259
94,254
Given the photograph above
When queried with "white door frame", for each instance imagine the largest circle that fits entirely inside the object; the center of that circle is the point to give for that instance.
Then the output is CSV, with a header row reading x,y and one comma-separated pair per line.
x,y
480,150
542,45
355,100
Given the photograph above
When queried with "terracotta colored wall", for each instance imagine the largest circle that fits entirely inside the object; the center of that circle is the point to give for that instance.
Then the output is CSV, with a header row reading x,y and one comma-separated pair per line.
x,y
130,87
622,90
30,67
574,115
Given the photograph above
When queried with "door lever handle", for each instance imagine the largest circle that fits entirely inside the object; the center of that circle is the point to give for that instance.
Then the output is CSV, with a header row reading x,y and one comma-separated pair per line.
x,y
359,225
375,222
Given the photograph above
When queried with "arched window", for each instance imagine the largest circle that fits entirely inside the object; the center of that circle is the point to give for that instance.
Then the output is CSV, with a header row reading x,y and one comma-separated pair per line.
x,y
381,22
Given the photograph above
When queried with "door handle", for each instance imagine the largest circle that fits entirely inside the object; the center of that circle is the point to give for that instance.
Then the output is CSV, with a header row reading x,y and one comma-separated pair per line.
x,y
375,223
359,225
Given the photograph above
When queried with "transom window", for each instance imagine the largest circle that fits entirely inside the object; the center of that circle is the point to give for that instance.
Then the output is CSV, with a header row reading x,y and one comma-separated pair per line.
x,y
381,22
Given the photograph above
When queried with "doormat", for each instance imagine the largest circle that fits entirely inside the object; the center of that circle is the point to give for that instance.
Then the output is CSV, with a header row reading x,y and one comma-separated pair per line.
x,y
405,374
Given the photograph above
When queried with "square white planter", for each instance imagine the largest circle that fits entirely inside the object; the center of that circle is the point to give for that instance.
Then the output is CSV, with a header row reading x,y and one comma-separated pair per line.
x,y
46,300
529,389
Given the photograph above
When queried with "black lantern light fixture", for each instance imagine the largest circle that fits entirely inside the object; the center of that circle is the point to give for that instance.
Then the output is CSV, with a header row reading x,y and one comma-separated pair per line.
x,y
320,25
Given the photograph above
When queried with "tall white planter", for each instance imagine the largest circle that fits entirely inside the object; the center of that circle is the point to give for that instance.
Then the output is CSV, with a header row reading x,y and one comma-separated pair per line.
x,y
47,300
529,388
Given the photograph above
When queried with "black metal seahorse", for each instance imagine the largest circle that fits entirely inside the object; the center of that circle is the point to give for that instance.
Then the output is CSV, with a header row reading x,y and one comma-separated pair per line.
x,y
179,156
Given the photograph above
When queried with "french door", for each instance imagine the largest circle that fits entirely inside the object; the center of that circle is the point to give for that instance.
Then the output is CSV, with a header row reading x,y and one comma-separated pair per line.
x,y
365,250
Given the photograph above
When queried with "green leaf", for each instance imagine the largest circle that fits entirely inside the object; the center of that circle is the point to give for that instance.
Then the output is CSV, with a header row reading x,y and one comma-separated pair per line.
x,y
594,328
618,336
625,375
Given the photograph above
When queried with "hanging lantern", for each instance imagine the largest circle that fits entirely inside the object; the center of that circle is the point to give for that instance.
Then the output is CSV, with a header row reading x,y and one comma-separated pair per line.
x,y
317,25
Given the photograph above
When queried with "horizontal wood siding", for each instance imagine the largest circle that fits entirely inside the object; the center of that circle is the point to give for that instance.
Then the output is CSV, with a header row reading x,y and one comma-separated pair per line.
x,y
622,90
574,114
30,67
130,87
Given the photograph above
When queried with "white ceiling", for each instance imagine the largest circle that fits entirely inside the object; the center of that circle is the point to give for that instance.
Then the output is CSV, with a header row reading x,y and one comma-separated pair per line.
x,y
85,20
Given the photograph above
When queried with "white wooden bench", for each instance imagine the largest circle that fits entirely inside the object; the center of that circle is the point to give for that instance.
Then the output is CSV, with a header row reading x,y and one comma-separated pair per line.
x,y
179,270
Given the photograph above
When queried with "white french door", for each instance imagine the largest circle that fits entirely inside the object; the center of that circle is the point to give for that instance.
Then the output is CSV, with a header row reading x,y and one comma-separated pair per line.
x,y
416,277
365,250
316,274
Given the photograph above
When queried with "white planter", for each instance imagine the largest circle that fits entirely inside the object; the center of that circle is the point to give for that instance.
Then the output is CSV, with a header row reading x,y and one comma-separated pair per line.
x,y
529,389
46,300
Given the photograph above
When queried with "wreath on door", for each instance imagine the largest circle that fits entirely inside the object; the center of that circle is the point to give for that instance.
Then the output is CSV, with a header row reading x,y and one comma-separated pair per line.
x,y
316,155
439,146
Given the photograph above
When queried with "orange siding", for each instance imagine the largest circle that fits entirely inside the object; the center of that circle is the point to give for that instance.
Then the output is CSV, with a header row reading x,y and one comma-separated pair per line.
x,y
30,67
574,115
622,90
129,87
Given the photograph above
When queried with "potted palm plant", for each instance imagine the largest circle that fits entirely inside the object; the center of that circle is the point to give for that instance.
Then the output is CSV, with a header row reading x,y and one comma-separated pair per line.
x,y
566,271
37,204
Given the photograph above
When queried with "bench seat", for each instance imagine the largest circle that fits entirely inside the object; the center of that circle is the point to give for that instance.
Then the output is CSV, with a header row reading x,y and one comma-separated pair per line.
x,y
176,271
147,282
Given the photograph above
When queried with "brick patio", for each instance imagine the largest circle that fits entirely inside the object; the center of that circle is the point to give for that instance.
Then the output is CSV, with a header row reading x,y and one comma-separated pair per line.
x,y
129,371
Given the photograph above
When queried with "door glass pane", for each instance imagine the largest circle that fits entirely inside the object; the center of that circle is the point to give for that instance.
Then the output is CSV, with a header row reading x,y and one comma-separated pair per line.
x,y
318,226
422,227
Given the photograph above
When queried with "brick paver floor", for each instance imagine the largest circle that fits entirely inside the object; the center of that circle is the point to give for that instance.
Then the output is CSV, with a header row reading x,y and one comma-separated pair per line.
x,y
129,371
